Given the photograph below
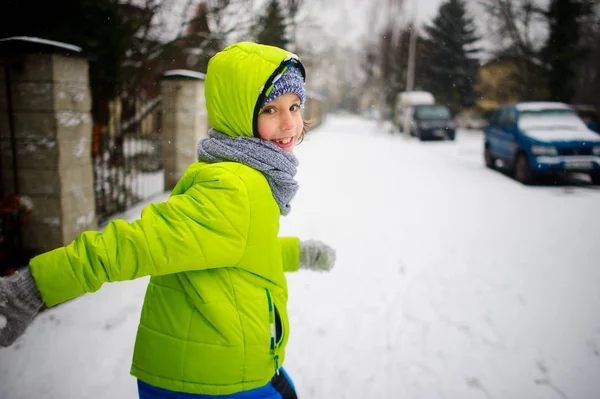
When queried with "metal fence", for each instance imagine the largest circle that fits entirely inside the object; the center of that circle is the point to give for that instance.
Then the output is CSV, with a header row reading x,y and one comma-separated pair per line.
x,y
128,160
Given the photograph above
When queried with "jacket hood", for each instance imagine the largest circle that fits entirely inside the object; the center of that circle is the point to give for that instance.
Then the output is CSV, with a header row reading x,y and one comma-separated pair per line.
x,y
236,81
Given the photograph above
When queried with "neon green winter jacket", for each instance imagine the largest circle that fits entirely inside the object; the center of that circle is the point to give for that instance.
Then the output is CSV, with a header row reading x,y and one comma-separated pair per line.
x,y
217,264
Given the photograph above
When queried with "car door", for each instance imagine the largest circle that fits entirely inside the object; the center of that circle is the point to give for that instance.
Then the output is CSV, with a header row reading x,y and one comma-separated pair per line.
x,y
493,133
507,134
512,134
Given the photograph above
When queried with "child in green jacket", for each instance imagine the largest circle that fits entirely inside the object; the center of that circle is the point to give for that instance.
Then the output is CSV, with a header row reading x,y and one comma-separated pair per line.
x,y
214,320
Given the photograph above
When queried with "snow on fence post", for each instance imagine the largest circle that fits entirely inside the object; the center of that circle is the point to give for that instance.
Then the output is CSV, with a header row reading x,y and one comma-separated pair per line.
x,y
184,120
52,133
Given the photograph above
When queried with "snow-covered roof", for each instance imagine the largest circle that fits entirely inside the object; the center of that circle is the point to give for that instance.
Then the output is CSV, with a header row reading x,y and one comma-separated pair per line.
x,y
29,39
416,97
541,105
185,73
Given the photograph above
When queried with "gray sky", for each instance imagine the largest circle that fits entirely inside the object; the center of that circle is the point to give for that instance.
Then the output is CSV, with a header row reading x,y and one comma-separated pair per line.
x,y
348,20
339,23
345,21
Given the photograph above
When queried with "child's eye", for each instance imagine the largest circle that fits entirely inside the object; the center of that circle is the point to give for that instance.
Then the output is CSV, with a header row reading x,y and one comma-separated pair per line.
x,y
268,111
294,107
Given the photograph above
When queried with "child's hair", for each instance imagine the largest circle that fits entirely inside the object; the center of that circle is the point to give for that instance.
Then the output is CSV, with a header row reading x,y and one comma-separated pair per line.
x,y
307,125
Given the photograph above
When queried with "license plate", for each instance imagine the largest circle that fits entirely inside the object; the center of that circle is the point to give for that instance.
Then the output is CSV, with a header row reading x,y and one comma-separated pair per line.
x,y
439,132
578,165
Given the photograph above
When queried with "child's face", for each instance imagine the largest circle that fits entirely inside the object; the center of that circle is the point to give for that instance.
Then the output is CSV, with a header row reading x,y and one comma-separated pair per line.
x,y
280,121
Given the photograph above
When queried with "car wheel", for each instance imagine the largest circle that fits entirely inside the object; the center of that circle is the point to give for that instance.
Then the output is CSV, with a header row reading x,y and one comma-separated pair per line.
x,y
523,172
490,162
595,178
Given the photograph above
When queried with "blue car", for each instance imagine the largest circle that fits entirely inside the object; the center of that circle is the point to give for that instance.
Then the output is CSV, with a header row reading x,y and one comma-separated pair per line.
x,y
535,138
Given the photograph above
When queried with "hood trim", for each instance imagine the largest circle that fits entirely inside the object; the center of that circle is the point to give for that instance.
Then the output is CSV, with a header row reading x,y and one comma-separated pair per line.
x,y
268,83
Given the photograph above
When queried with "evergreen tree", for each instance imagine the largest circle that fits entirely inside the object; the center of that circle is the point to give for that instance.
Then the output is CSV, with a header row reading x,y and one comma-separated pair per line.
x,y
563,47
271,27
452,66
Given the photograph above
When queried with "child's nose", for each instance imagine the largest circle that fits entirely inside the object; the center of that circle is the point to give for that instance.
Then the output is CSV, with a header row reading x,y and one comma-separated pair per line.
x,y
288,122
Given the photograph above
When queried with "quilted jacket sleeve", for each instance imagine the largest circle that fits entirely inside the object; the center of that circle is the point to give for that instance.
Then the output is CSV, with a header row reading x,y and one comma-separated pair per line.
x,y
203,227
290,253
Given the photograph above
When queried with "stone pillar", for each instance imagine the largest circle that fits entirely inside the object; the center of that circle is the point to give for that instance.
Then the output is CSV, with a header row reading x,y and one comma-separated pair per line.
x,y
184,121
315,108
51,106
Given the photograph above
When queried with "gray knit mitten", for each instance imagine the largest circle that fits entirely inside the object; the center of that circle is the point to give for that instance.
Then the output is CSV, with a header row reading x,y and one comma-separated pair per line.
x,y
20,302
316,255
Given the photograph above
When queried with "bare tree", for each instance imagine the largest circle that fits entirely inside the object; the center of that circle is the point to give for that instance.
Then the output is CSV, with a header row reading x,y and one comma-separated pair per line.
x,y
517,27
171,33
587,85
229,17
293,6
171,27
385,52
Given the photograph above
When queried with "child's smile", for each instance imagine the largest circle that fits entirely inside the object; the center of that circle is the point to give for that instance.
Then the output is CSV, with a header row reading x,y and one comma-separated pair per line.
x,y
280,121
284,143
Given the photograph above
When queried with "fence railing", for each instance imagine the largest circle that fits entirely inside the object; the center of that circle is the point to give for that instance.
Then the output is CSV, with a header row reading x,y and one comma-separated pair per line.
x,y
128,161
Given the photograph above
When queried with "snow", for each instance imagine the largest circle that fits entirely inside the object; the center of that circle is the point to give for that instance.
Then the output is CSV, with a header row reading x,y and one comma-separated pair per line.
x,y
70,118
43,144
153,184
185,73
561,134
137,118
82,147
452,281
550,119
416,97
44,41
541,105
51,221
139,145
85,220
556,125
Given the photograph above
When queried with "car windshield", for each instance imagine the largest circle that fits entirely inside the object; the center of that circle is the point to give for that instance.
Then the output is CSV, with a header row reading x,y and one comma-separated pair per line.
x,y
432,112
550,119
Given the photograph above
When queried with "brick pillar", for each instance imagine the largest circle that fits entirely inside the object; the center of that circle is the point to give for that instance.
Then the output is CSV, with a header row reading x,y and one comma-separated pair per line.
x,y
184,121
52,129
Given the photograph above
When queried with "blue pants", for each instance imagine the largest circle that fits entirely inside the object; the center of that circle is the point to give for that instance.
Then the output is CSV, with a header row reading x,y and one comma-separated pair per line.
x,y
280,387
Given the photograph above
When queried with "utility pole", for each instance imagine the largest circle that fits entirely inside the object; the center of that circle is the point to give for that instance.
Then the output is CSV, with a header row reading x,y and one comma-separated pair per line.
x,y
410,73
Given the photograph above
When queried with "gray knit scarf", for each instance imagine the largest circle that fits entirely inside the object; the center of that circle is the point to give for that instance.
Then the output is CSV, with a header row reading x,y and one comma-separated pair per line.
x,y
278,166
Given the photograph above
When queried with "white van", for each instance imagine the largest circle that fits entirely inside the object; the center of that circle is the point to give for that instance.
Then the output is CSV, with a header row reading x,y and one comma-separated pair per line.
x,y
405,102
424,118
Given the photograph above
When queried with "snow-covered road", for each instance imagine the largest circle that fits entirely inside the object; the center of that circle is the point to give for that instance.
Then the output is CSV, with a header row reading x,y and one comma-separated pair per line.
x,y
452,281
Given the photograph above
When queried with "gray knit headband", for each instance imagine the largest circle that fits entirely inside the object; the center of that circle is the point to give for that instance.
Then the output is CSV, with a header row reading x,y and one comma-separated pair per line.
x,y
290,81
